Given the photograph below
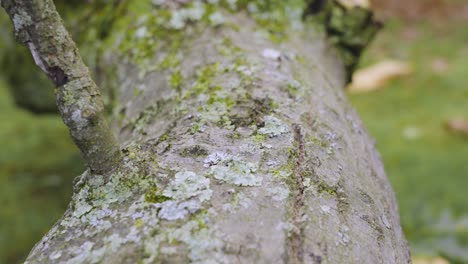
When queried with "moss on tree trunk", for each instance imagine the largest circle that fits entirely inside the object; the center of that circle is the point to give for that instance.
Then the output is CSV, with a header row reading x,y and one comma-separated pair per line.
x,y
239,143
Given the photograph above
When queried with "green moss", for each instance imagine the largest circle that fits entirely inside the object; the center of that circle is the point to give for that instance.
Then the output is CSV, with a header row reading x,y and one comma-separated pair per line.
x,y
154,195
164,137
139,223
176,80
214,98
322,187
275,17
195,128
204,80
235,135
200,217
349,29
227,48
137,92
163,26
170,61
292,90
318,141
259,138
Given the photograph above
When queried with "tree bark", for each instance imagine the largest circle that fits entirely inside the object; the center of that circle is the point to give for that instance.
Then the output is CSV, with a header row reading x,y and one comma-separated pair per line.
x,y
38,26
240,147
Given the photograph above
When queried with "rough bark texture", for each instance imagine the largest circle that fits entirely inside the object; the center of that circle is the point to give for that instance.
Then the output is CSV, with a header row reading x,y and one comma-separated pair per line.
x,y
240,147
38,26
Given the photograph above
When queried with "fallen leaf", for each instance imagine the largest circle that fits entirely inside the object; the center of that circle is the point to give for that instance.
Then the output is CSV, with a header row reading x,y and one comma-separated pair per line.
x,y
355,3
437,260
457,125
376,76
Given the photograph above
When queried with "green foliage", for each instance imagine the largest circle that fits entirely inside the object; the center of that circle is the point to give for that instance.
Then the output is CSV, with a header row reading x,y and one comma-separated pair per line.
x,y
425,163
38,162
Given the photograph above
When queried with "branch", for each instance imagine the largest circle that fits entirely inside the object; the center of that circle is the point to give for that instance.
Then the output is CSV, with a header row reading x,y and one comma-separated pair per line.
x,y
38,26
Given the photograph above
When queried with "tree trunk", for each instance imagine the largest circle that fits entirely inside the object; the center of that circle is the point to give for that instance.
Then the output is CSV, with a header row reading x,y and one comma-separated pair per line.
x,y
240,147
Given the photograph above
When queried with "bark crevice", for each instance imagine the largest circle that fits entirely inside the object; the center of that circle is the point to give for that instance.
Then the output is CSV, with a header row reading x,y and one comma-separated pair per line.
x,y
295,241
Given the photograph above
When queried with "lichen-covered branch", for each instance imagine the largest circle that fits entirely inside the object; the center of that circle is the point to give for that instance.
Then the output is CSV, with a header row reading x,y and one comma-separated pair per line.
x,y
38,26
240,147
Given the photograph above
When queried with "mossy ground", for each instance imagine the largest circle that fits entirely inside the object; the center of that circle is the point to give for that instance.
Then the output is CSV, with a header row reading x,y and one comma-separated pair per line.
x,y
428,167
38,162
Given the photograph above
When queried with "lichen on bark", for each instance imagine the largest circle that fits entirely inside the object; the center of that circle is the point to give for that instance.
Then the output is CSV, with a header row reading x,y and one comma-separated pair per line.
x,y
239,146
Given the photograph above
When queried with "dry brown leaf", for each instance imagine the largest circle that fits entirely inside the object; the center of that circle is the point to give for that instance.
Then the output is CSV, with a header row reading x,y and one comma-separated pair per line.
x,y
377,75
353,3
458,125
437,260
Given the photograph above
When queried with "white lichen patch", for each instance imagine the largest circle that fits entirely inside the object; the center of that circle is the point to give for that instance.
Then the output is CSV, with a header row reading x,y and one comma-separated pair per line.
x,y
141,32
385,221
246,70
286,226
242,200
55,255
279,193
307,183
171,210
188,184
216,19
214,112
81,209
283,174
273,127
97,206
188,191
203,243
271,54
181,16
177,20
94,207
233,170
78,119
81,253
214,158
21,19
343,236
273,163
325,208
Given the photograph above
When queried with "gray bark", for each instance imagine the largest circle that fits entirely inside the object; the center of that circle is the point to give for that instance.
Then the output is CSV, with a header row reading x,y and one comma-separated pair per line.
x,y
244,150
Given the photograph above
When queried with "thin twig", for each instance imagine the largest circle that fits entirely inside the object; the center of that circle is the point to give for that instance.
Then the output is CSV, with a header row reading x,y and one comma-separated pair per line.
x,y
38,26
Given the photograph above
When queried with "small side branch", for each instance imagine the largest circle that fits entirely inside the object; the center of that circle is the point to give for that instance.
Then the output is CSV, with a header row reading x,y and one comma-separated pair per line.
x,y
38,26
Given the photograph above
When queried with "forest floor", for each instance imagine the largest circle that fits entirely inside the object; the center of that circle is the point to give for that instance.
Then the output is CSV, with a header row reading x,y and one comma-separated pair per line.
x,y
426,163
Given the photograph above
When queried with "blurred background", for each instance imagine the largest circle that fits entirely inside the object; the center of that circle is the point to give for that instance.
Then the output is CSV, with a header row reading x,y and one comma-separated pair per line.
x,y
411,91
